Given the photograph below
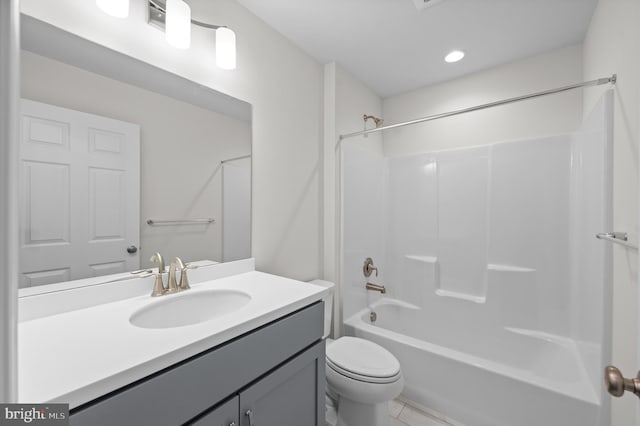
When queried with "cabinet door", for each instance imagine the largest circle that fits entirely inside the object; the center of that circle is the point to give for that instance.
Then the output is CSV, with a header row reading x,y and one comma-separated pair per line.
x,y
292,395
225,414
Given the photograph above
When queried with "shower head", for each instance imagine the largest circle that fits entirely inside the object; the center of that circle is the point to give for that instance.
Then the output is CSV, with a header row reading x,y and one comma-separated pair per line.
x,y
376,120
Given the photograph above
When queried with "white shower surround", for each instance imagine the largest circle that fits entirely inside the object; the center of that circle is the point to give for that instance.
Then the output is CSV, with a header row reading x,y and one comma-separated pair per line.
x,y
494,247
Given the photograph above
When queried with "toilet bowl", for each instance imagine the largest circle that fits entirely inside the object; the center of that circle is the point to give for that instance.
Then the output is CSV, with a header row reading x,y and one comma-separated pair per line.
x,y
362,376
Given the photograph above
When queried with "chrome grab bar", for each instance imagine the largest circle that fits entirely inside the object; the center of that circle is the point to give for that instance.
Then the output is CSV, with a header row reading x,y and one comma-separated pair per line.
x,y
617,237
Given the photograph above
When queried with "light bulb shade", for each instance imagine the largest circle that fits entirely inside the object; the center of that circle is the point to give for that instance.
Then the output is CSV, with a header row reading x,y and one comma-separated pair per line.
x,y
178,24
225,48
115,8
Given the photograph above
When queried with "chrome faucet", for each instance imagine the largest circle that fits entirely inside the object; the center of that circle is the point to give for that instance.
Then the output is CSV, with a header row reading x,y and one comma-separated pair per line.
x,y
172,286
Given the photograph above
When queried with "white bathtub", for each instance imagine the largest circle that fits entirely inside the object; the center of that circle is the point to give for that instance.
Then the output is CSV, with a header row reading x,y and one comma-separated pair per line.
x,y
484,377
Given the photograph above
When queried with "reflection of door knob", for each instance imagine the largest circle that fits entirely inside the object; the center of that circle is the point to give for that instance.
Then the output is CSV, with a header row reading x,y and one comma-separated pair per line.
x,y
617,384
132,249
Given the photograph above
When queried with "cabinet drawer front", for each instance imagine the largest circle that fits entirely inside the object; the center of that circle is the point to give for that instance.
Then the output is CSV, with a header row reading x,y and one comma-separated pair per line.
x,y
179,393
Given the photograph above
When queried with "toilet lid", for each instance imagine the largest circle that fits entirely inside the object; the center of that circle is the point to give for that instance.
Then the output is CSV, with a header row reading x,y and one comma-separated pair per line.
x,y
362,360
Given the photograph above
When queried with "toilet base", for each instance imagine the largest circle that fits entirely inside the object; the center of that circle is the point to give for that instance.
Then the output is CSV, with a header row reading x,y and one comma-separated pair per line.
x,y
353,413
331,412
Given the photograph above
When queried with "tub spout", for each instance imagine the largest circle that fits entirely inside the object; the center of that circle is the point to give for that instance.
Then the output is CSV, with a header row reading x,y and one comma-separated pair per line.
x,y
376,287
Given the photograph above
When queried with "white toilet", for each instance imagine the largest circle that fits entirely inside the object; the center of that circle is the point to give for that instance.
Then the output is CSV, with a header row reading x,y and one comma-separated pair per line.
x,y
362,377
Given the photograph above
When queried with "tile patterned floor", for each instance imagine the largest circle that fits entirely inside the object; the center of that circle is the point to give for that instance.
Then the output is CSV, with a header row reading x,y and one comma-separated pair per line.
x,y
402,414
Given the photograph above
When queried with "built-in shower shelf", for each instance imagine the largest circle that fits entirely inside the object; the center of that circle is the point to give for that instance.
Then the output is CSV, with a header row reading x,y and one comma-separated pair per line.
x,y
424,259
507,268
462,296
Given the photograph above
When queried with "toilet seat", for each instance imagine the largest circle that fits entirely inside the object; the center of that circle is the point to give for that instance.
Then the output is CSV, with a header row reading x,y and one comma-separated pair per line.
x,y
362,360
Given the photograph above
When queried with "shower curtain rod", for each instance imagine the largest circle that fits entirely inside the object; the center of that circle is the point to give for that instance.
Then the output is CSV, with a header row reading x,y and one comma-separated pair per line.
x,y
596,82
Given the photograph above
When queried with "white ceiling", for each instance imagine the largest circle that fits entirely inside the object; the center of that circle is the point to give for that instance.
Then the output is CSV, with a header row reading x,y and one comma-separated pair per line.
x,y
393,47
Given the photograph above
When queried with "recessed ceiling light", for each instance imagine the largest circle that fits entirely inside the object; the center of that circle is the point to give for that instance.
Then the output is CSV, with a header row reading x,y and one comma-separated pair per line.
x,y
454,56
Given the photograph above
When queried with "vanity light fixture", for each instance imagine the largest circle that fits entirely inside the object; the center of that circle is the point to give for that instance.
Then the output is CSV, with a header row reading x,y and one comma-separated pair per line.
x,y
115,8
225,48
454,56
161,15
178,24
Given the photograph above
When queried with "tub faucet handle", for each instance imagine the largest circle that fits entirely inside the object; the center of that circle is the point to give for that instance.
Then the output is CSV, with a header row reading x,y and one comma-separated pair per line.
x,y
368,267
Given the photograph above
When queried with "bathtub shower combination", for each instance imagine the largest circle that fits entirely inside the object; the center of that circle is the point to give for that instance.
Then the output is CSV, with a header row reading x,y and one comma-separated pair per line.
x,y
496,299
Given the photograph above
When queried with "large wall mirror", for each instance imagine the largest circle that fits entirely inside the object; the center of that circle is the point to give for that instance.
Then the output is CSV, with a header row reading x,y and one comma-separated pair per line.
x,y
120,160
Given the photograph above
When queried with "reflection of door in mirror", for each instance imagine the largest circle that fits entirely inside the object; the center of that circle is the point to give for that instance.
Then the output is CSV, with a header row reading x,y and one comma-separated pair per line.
x,y
76,162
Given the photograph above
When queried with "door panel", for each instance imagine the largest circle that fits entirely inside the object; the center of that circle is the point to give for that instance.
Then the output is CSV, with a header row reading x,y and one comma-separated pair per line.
x,y
106,204
46,190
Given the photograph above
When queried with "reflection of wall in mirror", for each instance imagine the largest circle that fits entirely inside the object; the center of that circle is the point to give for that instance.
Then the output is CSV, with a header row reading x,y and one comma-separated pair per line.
x,y
236,210
181,149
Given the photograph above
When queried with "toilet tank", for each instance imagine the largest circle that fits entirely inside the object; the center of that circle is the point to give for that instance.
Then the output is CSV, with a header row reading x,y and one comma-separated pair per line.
x,y
328,304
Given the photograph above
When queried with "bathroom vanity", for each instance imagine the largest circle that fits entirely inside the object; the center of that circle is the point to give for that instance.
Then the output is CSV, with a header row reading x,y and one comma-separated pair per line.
x,y
262,363
243,381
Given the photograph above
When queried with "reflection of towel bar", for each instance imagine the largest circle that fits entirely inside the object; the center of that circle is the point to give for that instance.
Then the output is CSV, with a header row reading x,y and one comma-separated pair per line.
x,y
618,238
205,221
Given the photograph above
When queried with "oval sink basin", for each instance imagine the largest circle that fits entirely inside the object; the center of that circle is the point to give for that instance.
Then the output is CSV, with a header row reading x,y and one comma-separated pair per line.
x,y
189,308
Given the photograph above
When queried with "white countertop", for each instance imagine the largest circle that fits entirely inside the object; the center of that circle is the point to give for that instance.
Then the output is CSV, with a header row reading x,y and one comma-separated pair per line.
x,y
76,356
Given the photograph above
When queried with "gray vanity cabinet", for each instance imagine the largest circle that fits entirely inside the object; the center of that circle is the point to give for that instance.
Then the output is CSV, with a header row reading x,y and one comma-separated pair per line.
x,y
271,376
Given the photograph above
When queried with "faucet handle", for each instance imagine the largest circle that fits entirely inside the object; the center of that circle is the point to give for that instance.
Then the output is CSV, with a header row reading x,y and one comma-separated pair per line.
x,y
173,287
184,280
158,286
368,268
